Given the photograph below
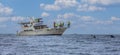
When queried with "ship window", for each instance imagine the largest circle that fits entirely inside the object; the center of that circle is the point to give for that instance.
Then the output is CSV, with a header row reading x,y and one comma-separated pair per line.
x,y
37,27
28,30
25,25
40,27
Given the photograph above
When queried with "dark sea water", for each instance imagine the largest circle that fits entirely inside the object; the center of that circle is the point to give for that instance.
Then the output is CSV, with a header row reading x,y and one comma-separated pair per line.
x,y
72,44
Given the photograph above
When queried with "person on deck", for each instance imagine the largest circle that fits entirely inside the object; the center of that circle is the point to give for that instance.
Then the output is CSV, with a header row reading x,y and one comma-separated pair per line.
x,y
62,24
57,25
69,24
54,24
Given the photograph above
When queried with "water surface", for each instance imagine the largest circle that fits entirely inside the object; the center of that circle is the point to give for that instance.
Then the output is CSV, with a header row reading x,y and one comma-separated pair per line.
x,y
72,44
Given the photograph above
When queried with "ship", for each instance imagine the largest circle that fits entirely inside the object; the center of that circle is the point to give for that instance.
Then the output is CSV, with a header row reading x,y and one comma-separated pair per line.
x,y
36,27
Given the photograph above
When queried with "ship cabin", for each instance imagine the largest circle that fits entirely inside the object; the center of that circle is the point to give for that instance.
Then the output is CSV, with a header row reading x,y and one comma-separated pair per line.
x,y
33,25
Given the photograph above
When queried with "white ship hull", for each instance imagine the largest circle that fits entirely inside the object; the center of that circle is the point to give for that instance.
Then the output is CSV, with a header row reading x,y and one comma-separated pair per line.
x,y
52,31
